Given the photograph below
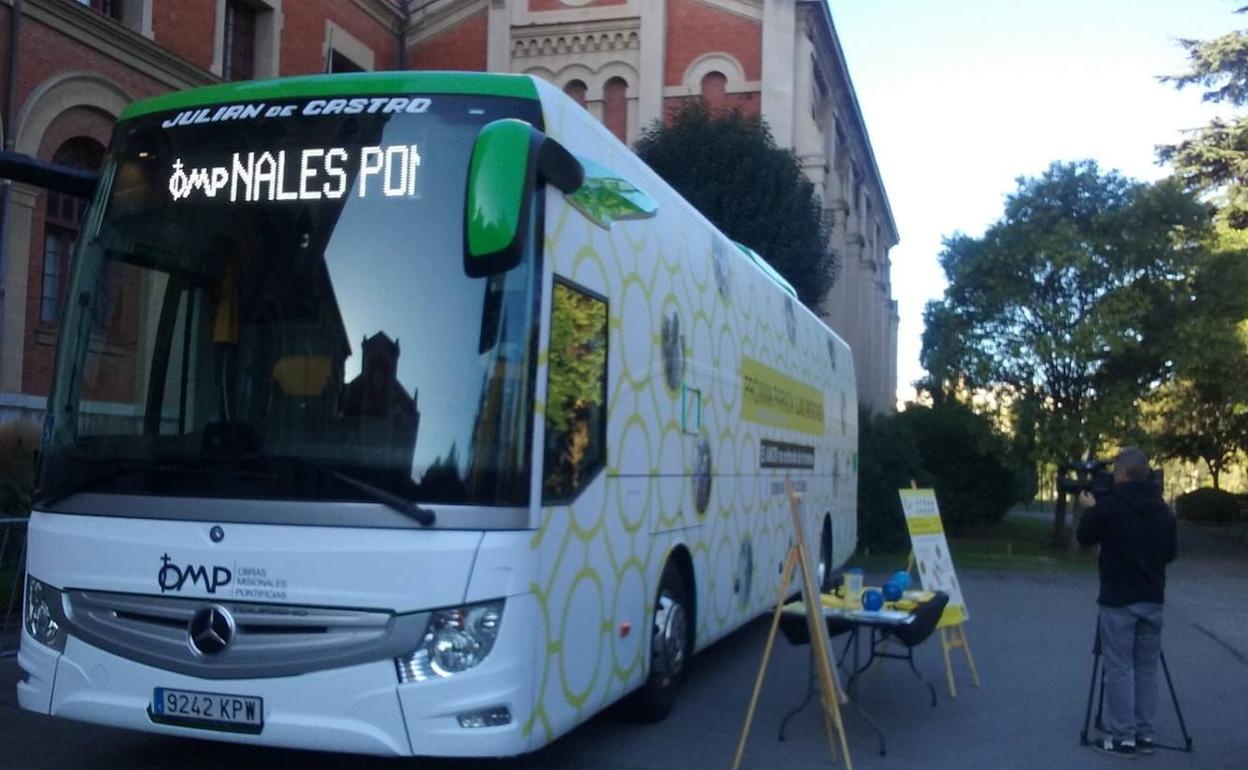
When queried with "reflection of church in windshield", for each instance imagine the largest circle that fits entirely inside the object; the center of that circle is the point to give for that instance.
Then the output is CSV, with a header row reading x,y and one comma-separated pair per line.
x,y
388,416
372,419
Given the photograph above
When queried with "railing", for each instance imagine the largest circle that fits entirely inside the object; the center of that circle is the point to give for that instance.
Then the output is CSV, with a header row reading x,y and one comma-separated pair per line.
x,y
12,578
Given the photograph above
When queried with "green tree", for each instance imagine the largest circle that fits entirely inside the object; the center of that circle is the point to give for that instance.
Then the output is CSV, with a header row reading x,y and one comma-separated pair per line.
x,y
728,165
1214,158
1069,302
1201,414
1198,421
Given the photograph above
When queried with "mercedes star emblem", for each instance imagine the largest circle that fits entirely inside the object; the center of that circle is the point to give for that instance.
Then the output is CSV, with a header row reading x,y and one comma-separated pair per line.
x,y
211,630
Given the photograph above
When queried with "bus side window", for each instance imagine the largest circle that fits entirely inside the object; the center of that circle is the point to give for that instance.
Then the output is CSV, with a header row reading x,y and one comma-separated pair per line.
x,y
576,393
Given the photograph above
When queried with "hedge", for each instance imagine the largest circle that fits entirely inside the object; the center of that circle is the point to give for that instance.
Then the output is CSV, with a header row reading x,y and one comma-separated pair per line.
x,y
1208,506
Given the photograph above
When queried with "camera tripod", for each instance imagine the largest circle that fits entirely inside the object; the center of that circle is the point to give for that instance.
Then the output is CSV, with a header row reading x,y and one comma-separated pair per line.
x,y
1100,699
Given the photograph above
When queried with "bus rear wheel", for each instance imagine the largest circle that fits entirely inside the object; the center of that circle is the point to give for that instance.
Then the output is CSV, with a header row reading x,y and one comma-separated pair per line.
x,y
670,649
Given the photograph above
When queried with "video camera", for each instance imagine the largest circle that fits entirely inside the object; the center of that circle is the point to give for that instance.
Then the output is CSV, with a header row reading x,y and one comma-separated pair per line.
x,y
1092,476
1096,476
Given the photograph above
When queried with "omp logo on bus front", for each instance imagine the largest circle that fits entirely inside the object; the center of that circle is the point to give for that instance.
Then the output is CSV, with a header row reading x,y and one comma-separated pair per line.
x,y
171,577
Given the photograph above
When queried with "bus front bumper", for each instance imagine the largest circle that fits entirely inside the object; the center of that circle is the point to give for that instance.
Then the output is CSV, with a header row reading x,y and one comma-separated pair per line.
x,y
360,709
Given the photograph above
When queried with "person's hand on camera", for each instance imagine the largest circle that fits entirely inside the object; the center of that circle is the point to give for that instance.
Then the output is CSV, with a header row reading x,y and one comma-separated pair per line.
x,y
1086,500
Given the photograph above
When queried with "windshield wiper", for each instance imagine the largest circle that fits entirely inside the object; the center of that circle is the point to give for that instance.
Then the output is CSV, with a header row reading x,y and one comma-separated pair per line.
x,y
413,510
156,465
57,495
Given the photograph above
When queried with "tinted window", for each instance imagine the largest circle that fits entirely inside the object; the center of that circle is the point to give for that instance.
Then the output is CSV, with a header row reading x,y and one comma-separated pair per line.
x,y
576,394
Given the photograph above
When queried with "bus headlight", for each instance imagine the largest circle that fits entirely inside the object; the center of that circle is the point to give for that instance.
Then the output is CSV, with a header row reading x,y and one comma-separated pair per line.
x,y
43,614
456,640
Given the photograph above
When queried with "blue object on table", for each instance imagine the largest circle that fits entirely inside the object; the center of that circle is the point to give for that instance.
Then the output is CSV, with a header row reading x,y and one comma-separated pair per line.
x,y
902,578
892,591
872,600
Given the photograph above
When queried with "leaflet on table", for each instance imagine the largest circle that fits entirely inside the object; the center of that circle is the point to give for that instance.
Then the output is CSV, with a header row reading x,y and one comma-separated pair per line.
x,y
892,617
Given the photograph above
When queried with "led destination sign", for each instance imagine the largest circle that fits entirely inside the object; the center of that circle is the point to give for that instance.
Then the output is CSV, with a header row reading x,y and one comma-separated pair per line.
x,y
314,173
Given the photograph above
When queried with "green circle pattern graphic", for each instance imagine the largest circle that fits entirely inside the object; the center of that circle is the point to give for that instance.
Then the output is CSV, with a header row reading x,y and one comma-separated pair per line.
x,y
617,537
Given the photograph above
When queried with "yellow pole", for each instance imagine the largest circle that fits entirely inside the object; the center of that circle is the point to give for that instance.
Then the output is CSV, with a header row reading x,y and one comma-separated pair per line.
x,y
944,646
831,687
966,648
762,669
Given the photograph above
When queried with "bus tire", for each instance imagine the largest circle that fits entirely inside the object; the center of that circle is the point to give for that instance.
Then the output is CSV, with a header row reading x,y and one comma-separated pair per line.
x,y
670,650
825,557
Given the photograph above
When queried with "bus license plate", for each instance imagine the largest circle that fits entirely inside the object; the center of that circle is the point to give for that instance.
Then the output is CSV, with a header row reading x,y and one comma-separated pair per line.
x,y
218,711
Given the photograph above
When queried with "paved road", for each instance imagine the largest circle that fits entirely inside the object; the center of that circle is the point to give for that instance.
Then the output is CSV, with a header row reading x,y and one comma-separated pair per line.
x,y
1031,636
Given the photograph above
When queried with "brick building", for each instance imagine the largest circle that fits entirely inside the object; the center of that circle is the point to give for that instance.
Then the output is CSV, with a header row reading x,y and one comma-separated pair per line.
x,y
630,61
69,67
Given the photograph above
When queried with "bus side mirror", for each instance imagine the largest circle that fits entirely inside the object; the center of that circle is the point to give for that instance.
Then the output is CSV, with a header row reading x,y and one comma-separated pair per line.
x,y
508,158
50,176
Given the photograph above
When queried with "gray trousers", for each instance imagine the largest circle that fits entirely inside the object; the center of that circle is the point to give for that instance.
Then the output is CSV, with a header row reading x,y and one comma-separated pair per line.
x,y
1131,650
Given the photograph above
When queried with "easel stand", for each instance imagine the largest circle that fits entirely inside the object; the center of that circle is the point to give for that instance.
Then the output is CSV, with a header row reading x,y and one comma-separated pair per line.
x,y
829,687
1100,700
952,637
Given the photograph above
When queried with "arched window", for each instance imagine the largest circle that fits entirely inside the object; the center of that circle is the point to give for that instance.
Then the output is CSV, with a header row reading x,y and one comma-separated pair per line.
x,y
61,222
615,107
576,89
109,8
714,85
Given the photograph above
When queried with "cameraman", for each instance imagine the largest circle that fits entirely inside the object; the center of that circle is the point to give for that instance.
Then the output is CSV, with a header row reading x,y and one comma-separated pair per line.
x,y
1136,532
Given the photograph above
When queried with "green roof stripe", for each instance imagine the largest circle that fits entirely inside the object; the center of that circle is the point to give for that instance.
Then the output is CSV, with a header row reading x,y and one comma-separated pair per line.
x,y
345,84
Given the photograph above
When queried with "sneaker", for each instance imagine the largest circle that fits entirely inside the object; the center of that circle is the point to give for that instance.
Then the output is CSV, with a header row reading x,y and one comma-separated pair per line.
x,y
1116,747
1145,746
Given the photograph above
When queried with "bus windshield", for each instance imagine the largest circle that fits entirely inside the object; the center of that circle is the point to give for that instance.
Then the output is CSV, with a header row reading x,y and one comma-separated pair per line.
x,y
269,303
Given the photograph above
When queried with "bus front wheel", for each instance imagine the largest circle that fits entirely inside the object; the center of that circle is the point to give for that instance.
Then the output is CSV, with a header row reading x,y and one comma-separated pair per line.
x,y
670,649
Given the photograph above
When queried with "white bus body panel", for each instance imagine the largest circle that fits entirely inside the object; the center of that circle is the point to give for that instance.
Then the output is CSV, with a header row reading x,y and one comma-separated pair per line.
x,y
600,558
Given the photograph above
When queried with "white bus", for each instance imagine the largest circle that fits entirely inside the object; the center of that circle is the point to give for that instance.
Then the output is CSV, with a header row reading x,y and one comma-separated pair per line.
x,y
410,413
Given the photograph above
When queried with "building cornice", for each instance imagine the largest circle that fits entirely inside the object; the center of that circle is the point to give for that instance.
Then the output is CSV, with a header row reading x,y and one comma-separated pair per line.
x,y
118,42
743,87
383,12
554,39
827,30
434,18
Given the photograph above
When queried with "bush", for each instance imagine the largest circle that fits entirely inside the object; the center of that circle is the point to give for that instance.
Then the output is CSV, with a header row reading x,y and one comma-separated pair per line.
x,y
947,447
1207,506
968,462
18,441
888,459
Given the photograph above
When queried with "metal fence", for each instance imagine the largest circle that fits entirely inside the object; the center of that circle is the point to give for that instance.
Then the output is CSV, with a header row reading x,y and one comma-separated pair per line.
x,y
12,578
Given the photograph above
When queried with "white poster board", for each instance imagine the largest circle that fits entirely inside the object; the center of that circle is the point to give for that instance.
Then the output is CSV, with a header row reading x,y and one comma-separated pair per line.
x,y
931,551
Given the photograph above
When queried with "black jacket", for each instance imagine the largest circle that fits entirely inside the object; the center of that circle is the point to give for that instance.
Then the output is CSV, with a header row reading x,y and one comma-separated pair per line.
x,y
1136,532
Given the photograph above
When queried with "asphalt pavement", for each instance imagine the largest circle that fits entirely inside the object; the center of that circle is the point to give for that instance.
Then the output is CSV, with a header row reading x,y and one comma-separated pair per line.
x,y
1031,635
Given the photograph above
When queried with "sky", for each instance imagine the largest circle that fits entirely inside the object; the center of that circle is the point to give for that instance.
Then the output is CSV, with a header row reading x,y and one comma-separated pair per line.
x,y
962,97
